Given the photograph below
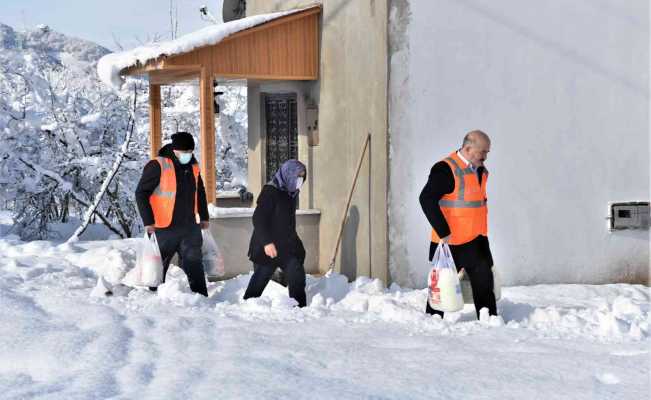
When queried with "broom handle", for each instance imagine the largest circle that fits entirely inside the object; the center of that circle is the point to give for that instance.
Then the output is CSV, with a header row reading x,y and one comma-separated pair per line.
x,y
350,197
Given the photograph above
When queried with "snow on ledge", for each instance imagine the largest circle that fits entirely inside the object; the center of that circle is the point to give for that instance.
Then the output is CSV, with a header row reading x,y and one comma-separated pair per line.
x,y
244,212
109,66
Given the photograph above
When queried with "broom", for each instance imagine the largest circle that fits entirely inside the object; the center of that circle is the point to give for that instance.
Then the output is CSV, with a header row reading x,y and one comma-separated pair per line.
x,y
331,266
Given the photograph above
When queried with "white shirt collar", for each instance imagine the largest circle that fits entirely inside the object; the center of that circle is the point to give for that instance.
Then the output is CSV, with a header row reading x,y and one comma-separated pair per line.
x,y
468,164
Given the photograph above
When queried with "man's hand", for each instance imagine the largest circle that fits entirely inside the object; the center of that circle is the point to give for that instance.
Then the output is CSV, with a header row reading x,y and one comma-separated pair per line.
x,y
205,224
445,239
270,250
150,229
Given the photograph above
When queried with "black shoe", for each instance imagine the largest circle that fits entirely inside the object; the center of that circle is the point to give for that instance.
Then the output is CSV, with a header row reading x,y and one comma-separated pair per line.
x,y
153,289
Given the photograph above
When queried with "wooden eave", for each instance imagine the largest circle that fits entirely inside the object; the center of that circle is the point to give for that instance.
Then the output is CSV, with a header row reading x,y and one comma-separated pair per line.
x,y
286,48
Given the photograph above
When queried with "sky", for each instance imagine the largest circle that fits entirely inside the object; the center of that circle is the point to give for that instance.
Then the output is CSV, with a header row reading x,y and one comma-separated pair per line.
x,y
127,22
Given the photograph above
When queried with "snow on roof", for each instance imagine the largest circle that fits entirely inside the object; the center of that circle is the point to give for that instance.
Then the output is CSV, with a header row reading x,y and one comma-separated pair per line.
x,y
109,66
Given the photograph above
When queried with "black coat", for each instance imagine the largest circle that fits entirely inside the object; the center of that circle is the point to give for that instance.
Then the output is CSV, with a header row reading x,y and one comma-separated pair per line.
x,y
274,221
440,183
183,214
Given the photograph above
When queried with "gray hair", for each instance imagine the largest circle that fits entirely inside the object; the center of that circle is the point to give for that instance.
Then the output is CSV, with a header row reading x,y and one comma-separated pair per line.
x,y
473,137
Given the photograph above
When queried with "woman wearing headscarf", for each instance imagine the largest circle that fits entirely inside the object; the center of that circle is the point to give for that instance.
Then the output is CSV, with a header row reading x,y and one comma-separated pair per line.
x,y
274,242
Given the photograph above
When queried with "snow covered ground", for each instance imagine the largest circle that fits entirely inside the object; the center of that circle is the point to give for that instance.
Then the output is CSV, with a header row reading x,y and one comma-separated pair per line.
x,y
60,339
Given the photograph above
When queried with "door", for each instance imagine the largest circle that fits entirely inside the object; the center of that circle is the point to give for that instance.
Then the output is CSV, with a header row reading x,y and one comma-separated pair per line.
x,y
282,130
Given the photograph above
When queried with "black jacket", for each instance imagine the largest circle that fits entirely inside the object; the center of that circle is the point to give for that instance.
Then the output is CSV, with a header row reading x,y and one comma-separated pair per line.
x,y
274,221
440,183
183,213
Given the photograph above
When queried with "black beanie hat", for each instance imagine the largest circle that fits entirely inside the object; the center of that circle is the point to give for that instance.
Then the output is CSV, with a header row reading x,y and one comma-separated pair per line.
x,y
182,141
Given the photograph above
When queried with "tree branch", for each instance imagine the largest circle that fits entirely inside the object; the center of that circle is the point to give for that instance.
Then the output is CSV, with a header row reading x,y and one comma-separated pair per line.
x,y
114,170
67,186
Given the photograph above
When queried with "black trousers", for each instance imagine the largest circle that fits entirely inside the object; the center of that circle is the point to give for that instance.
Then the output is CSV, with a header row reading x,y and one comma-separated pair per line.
x,y
293,270
186,241
477,263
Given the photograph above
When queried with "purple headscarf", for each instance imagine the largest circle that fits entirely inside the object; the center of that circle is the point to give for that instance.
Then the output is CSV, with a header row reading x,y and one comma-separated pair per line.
x,y
285,177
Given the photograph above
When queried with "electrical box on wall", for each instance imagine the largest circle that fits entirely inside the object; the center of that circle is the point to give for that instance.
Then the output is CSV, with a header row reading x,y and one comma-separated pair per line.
x,y
629,215
312,119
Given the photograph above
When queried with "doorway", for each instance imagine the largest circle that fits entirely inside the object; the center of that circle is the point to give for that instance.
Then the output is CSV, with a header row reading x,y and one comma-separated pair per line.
x,y
281,130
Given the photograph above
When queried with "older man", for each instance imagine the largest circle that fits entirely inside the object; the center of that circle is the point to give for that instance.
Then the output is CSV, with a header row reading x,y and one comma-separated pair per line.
x,y
455,204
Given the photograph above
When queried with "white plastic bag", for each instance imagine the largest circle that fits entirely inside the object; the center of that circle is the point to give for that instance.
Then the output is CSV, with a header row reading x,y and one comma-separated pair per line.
x,y
444,290
213,260
149,265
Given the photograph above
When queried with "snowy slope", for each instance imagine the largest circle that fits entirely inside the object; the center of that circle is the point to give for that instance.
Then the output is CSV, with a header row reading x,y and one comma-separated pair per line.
x,y
59,46
358,340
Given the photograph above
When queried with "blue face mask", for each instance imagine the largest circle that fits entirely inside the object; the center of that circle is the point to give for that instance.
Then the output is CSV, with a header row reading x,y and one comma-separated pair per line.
x,y
184,158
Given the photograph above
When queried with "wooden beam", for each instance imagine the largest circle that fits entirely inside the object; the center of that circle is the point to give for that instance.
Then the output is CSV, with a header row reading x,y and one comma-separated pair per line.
x,y
207,111
268,77
158,64
155,139
165,77
140,69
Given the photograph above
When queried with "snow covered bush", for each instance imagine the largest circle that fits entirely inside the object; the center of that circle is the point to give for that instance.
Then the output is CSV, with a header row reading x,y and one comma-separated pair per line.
x,y
180,112
63,133
232,150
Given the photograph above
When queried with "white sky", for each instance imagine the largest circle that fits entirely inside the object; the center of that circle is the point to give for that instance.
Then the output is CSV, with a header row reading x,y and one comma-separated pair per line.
x,y
129,21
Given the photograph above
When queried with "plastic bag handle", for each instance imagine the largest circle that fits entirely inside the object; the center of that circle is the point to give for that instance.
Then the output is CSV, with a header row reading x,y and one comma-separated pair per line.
x,y
153,241
436,257
445,248
447,254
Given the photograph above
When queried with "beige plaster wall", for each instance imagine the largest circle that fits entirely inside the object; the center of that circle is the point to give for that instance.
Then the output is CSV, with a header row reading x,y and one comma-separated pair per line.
x,y
233,232
352,98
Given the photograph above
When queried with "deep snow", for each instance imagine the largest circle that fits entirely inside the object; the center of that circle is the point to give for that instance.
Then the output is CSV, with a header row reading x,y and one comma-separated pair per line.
x,y
61,339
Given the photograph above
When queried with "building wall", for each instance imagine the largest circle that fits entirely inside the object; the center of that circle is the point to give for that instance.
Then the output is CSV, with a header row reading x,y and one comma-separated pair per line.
x,y
352,98
562,88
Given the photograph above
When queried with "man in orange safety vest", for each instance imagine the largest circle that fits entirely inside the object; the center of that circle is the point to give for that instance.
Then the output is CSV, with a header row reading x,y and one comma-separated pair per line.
x,y
455,203
172,203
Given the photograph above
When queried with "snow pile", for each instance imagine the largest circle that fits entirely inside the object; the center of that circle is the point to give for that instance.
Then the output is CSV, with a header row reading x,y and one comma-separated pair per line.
x,y
109,66
607,312
354,340
221,212
610,313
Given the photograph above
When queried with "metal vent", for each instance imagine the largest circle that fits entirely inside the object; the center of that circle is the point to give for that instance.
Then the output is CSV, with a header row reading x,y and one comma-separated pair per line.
x,y
629,215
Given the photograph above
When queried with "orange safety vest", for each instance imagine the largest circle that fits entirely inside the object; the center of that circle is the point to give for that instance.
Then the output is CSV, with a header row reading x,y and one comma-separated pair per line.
x,y
465,209
163,198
